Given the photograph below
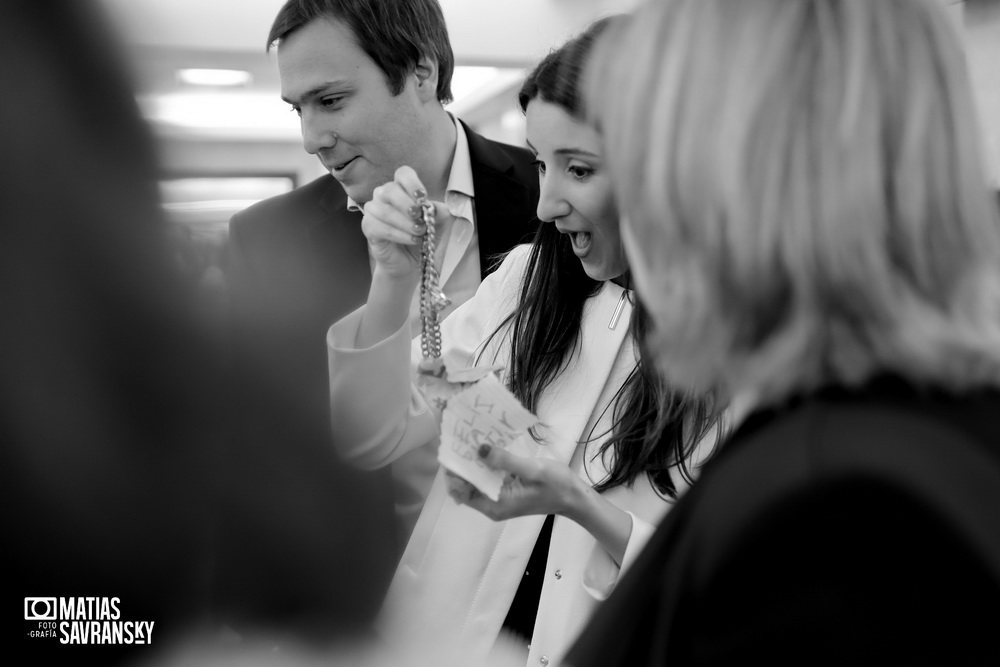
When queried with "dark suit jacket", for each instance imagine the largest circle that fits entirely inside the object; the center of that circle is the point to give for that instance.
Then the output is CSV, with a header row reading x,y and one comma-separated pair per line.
x,y
851,527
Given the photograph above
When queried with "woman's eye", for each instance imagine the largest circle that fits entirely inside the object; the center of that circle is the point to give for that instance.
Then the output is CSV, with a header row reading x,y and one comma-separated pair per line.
x,y
579,172
297,110
540,166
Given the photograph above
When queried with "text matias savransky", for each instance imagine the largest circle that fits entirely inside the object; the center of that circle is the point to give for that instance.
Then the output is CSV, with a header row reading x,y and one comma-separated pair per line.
x,y
88,620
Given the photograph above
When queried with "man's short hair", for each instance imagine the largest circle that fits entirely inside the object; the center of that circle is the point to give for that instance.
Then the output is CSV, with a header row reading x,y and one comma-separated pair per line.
x,y
394,33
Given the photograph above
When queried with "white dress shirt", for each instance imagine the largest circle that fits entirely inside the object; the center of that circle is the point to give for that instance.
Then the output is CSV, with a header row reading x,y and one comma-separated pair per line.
x,y
457,250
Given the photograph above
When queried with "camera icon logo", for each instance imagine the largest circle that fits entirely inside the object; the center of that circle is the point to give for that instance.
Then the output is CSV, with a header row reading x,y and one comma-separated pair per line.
x,y
41,609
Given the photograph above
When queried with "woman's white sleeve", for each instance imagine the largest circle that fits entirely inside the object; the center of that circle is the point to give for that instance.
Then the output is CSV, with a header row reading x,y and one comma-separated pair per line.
x,y
377,414
601,572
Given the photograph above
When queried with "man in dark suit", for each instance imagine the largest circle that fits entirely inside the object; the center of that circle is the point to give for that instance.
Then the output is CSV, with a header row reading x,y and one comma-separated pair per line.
x,y
369,81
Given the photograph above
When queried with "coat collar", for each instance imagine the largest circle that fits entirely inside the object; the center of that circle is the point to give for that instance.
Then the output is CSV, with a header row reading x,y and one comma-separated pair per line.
x,y
334,199
504,204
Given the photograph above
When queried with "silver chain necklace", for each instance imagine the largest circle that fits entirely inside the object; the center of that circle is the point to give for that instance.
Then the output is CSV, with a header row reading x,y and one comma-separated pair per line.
x,y
432,299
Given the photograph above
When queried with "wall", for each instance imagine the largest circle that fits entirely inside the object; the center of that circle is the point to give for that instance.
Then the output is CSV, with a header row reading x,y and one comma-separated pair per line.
x,y
981,35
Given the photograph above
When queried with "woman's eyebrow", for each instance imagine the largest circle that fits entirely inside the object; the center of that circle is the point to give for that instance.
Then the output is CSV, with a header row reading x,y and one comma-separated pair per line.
x,y
566,151
576,151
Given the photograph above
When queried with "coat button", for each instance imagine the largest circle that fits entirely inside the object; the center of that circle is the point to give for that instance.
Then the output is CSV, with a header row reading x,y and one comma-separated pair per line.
x,y
558,574
544,660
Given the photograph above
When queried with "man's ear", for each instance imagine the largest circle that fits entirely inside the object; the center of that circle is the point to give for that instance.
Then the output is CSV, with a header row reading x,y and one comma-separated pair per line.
x,y
426,73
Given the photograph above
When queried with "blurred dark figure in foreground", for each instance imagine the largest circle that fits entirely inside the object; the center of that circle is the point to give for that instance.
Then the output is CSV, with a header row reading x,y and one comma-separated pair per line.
x,y
135,462
807,220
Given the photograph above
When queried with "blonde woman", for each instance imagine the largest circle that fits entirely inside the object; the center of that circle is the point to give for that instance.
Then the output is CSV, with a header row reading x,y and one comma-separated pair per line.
x,y
807,221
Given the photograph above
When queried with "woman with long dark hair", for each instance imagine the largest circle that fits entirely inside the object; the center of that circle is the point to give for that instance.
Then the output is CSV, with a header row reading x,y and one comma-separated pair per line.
x,y
558,315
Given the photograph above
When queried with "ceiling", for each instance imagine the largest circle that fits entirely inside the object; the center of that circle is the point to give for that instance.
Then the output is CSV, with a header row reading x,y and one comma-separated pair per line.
x,y
512,31
162,36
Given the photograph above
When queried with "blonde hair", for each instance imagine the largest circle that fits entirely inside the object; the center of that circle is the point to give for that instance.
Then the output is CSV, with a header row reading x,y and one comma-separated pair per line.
x,y
802,184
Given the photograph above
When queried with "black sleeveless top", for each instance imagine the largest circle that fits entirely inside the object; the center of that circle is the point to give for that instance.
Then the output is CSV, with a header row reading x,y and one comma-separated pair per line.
x,y
520,620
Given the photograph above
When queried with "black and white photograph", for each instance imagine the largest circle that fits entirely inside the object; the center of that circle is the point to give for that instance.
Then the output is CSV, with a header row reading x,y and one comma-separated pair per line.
x,y
500,333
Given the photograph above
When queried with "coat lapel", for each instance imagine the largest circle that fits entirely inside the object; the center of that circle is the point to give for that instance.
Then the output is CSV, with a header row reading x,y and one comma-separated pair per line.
x,y
567,405
565,409
452,542
339,249
504,204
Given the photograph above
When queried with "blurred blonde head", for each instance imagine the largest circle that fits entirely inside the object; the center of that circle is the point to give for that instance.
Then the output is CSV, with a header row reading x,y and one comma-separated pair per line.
x,y
803,194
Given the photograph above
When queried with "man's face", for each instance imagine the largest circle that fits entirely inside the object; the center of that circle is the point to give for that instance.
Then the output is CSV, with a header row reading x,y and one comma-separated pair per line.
x,y
337,88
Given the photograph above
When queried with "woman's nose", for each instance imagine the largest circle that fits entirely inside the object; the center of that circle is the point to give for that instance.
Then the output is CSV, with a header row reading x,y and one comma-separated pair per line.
x,y
551,202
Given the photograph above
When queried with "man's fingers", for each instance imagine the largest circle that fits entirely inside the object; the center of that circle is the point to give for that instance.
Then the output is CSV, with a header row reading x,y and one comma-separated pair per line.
x,y
376,230
392,206
407,178
441,211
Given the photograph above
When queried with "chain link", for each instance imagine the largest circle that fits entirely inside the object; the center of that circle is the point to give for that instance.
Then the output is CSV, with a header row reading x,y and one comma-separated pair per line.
x,y
432,299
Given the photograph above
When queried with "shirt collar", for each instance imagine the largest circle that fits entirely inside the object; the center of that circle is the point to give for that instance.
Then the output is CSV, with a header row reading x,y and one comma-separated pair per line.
x,y
460,176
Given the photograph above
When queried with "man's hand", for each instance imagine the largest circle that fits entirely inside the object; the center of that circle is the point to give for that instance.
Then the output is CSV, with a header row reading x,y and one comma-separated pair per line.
x,y
394,226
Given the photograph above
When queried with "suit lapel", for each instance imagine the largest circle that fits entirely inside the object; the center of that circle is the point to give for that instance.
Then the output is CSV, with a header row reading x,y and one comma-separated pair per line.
x,y
339,249
566,409
504,205
567,406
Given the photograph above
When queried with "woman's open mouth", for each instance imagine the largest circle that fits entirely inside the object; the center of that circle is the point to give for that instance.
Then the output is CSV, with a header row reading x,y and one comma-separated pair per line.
x,y
582,242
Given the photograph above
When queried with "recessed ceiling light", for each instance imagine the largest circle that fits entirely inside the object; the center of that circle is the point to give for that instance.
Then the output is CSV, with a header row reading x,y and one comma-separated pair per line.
x,y
214,77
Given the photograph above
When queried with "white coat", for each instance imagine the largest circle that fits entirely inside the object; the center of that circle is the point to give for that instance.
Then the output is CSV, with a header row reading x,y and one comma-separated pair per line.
x,y
460,570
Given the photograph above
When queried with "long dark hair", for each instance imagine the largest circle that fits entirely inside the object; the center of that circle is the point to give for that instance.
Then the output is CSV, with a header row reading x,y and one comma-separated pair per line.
x,y
653,428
